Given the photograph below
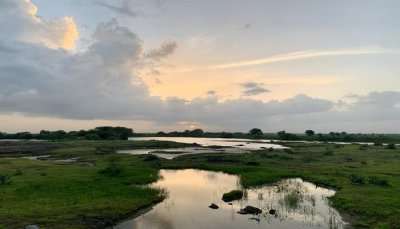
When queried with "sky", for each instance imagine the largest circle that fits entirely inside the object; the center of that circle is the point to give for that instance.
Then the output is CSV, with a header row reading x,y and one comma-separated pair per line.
x,y
218,65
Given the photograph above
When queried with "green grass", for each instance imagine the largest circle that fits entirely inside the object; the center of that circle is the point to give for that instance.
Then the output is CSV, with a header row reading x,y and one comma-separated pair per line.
x,y
60,195
104,186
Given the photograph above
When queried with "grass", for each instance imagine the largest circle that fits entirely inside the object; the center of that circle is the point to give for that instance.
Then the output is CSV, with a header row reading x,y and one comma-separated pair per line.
x,y
101,185
104,187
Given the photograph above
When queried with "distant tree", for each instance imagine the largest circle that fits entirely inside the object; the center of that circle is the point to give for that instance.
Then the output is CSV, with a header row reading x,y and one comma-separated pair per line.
x,y
112,133
287,136
226,135
281,133
196,132
309,132
23,135
255,132
161,133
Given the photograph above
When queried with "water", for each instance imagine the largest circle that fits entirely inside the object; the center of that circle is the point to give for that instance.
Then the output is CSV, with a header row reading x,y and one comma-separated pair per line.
x,y
230,145
299,204
176,152
224,142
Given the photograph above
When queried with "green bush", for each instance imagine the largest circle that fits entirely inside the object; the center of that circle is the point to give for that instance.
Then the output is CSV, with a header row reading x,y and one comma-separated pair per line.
x,y
356,179
378,181
111,170
4,179
391,146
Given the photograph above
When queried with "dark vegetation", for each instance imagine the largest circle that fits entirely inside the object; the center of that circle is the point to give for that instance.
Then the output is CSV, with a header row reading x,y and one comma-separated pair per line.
x,y
308,135
122,133
98,133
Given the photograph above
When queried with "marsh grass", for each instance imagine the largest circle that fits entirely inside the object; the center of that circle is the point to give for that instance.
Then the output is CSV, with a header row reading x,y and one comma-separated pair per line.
x,y
111,185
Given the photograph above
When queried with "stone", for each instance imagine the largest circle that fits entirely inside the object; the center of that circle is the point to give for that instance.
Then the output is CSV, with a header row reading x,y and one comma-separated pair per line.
x,y
213,206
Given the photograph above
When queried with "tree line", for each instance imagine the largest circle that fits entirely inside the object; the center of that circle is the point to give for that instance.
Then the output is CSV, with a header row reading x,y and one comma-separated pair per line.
x,y
123,133
98,133
308,135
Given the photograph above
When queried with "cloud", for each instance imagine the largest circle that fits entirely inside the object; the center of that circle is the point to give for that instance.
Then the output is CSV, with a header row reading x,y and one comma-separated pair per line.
x,y
247,26
125,8
19,22
166,49
253,88
292,57
104,83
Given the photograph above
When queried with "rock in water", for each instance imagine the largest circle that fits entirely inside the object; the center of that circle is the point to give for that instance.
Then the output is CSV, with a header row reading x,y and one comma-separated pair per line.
x,y
232,195
213,206
250,210
272,211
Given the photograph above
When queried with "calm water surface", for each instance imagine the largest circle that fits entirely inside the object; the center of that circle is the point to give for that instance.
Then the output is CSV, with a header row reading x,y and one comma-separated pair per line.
x,y
232,146
228,142
298,204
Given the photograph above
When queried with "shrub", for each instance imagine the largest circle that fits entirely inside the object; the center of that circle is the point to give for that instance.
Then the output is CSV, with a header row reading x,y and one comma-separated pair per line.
x,y
18,172
378,181
328,152
377,143
111,170
151,157
288,151
253,163
4,179
391,146
356,179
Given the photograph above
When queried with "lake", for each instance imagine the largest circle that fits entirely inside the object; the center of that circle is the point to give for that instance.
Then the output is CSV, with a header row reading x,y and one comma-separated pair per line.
x,y
298,204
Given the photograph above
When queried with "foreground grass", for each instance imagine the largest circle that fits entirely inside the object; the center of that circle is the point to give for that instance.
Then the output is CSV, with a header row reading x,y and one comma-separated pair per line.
x,y
104,187
99,189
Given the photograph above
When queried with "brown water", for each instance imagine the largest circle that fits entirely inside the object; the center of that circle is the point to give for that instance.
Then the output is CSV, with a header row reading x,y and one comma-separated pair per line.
x,y
298,204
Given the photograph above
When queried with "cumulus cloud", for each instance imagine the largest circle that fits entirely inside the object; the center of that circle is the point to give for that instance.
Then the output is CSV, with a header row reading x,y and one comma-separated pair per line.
x,y
39,78
253,88
19,22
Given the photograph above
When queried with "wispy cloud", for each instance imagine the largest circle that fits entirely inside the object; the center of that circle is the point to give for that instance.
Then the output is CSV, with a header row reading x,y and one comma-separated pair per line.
x,y
309,54
124,9
253,88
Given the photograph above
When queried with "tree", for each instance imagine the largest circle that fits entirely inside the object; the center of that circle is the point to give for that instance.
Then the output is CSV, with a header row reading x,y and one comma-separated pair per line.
x,y
309,132
255,132
196,132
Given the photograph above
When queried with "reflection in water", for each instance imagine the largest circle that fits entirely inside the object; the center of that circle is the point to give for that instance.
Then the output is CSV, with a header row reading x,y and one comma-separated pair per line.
x,y
176,152
298,204
227,142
